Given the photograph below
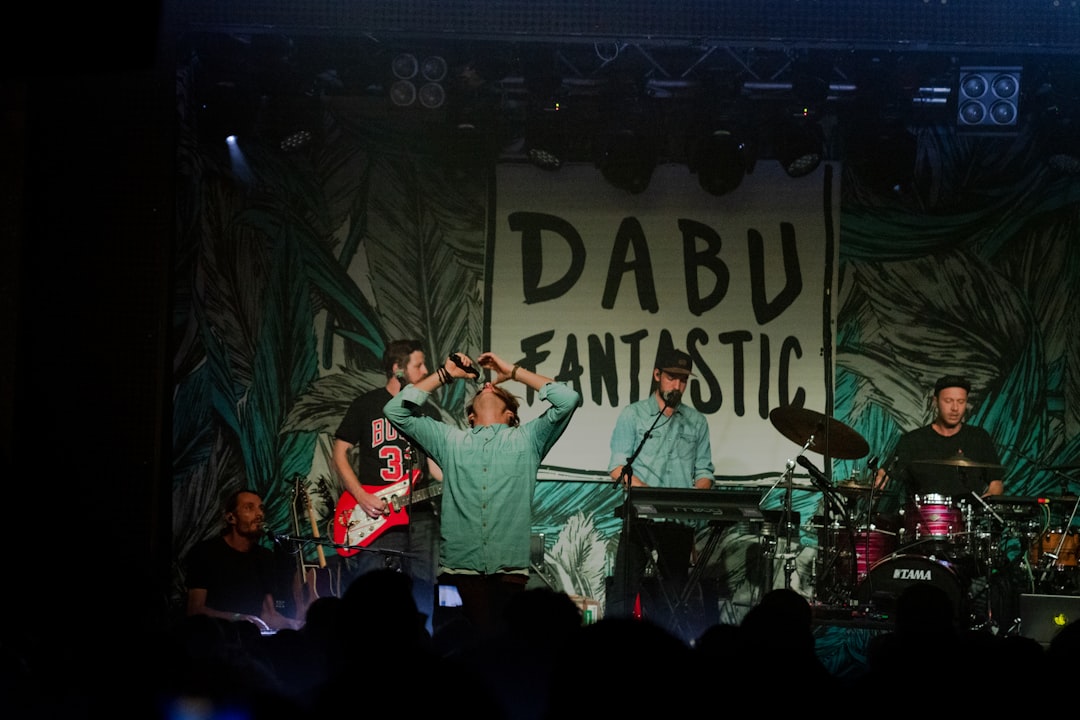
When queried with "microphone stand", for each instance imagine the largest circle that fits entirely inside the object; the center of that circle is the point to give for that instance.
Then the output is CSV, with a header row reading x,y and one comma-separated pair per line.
x,y
302,541
626,479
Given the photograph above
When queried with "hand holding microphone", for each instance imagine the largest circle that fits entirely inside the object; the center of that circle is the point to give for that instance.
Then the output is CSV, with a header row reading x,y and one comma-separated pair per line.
x,y
457,360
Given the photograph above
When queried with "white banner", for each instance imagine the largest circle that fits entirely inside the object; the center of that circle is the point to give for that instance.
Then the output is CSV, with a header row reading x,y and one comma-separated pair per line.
x,y
587,281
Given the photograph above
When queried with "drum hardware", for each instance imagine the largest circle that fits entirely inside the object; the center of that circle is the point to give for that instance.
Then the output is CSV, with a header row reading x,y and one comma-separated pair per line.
x,y
822,434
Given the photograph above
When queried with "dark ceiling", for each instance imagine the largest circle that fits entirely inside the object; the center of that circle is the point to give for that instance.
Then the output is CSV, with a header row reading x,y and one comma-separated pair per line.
x,y
676,62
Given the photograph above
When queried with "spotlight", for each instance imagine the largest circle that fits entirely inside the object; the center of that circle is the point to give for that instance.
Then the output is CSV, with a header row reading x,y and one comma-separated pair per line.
x,y
295,140
404,66
431,95
403,93
988,98
720,161
799,147
628,160
433,68
545,136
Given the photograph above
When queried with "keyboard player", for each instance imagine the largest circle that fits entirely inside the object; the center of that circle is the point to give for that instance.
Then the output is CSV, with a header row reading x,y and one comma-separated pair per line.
x,y
658,442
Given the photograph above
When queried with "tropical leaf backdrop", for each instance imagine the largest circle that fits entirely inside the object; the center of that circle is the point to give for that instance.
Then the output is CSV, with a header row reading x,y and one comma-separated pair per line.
x,y
290,277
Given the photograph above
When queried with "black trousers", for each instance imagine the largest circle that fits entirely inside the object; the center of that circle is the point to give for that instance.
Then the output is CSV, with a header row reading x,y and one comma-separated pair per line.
x,y
665,598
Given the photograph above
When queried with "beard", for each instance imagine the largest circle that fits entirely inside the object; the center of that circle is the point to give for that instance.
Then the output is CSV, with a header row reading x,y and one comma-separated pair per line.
x,y
672,398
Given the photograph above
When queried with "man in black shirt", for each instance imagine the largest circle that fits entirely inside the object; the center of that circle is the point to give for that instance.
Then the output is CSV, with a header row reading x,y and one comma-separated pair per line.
x,y
232,576
947,457
379,467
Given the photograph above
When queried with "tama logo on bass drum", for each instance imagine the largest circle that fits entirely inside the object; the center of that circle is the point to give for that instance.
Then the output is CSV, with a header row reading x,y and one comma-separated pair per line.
x,y
903,573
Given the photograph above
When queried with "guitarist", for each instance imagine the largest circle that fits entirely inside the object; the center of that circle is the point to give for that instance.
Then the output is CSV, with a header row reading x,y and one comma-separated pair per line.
x,y
369,452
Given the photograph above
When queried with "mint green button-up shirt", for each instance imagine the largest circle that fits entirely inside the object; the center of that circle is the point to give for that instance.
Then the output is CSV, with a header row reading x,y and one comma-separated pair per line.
x,y
489,475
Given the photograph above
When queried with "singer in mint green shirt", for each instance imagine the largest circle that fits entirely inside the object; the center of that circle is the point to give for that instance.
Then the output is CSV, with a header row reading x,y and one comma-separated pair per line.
x,y
489,471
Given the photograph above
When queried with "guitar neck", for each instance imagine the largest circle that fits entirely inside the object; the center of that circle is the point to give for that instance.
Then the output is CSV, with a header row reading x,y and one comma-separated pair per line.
x,y
315,530
425,494
398,502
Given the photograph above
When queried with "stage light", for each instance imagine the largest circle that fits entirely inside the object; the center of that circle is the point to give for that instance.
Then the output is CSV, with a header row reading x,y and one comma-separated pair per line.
x,y
720,160
403,93
433,68
418,82
799,146
295,141
988,98
404,66
432,95
545,135
628,160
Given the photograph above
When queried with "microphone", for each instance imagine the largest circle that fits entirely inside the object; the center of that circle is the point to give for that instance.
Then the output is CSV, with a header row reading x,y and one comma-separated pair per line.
x,y
671,398
456,359
871,464
273,536
815,474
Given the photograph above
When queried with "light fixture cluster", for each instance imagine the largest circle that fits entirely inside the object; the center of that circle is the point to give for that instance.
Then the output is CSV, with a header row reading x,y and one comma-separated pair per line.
x,y
418,81
988,98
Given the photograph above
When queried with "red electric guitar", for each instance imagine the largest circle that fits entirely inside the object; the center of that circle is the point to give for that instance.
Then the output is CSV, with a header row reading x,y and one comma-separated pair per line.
x,y
355,529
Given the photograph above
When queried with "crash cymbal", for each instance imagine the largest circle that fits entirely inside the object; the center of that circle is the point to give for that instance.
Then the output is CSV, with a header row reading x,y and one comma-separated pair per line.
x,y
800,425
961,462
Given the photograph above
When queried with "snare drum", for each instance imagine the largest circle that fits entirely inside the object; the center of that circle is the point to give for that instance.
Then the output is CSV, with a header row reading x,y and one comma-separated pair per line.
x,y
1047,544
933,517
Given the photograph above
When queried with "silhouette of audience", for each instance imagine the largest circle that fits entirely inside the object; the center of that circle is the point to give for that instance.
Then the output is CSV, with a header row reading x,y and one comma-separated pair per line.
x,y
370,647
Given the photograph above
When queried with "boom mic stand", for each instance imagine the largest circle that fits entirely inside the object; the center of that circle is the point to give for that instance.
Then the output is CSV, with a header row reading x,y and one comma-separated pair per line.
x,y
302,541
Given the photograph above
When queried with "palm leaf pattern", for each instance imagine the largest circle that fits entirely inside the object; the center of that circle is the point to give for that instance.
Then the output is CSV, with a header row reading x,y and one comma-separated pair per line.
x,y
289,284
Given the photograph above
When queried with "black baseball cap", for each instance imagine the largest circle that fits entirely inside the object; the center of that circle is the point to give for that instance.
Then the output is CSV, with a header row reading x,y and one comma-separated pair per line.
x,y
674,362
952,381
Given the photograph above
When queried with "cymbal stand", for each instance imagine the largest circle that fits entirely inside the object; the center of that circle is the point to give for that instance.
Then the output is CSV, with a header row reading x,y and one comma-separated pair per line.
x,y
789,513
990,621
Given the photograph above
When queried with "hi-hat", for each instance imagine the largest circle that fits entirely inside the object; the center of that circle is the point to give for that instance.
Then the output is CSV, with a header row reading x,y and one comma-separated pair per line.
x,y
850,487
830,436
961,462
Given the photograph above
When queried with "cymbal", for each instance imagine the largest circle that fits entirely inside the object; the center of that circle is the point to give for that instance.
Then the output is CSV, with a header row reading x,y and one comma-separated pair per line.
x,y
961,462
799,425
850,487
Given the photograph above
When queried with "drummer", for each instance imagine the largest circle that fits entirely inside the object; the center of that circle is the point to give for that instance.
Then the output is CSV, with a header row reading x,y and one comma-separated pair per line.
x,y
947,457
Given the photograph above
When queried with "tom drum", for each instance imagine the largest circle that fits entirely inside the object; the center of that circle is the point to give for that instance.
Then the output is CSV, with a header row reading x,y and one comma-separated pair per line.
x,y
1046,545
933,517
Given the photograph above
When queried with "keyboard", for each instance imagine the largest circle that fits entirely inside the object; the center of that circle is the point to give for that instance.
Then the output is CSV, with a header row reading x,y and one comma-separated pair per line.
x,y
690,504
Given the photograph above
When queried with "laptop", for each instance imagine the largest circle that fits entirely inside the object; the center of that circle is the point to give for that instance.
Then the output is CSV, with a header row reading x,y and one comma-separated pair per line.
x,y
1043,616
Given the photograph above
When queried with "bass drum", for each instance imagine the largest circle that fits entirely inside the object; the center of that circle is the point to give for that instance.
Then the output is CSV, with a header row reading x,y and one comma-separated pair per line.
x,y
889,578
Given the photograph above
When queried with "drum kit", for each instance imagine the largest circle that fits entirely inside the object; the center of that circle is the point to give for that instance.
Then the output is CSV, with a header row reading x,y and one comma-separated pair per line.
x,y
982,551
